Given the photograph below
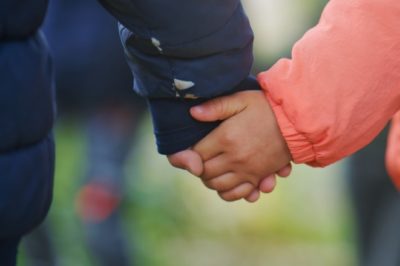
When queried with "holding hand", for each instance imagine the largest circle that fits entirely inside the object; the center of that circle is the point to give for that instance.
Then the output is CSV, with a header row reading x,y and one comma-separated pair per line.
x,y
240,157
245,149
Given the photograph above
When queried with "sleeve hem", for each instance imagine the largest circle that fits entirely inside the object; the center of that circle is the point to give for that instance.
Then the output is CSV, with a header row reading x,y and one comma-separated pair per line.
x,y
174,128
301,148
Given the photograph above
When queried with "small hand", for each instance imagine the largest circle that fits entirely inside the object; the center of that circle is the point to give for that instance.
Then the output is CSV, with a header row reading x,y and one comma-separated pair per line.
x,y
191,161
244,149
188,160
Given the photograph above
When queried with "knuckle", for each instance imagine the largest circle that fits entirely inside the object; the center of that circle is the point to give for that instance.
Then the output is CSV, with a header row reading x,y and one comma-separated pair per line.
x,y
234,195
214,184
207,175
218,184
209,185
226,197
242,157
231,195
229,138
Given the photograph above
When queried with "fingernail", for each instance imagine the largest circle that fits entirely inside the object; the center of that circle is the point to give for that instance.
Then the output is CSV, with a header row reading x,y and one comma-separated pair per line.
x,y
198,109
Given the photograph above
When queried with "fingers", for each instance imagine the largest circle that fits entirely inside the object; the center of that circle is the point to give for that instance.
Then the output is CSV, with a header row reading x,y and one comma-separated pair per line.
x,y
268,184
219,108
239,192
254,196
210,146
285,171
215,167
188,160
223,183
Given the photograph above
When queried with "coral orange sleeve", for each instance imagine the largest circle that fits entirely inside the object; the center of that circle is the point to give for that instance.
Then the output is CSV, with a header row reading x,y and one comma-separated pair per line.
x,y
342,85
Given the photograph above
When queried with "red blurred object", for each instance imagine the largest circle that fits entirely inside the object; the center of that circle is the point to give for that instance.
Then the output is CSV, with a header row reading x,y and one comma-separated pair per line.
x,y
95,202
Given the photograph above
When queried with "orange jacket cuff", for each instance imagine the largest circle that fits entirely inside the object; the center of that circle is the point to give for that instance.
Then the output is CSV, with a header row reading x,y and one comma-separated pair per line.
x,y
300,147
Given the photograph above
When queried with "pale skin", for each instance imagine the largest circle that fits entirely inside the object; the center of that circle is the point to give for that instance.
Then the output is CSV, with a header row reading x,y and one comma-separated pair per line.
x,y
244,154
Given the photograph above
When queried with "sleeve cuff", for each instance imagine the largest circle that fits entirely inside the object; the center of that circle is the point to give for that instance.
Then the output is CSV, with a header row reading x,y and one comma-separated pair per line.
x,y
175,129
300,147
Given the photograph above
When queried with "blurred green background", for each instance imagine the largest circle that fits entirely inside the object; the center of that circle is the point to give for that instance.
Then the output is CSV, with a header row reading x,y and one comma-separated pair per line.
x,y
172,220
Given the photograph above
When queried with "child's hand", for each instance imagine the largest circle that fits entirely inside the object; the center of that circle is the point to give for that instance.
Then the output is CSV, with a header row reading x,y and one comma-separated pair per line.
x,y
245,149
192,162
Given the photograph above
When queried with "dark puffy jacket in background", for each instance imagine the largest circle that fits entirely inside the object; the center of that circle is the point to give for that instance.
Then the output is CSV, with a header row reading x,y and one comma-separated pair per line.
x,y
26,119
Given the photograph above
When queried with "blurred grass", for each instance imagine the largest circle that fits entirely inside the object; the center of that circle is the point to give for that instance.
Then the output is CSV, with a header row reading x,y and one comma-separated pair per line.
x,y
172,220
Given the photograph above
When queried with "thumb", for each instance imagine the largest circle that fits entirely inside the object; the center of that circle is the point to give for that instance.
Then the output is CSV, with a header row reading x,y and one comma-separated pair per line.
x,y
218,109
188,160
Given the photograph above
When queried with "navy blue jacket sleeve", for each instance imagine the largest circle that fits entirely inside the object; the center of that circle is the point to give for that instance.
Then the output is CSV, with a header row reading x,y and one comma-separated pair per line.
x,y
182,53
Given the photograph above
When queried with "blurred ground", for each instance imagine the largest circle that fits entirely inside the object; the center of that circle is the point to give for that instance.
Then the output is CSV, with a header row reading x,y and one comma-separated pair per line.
x,y
175,221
